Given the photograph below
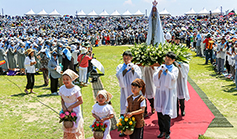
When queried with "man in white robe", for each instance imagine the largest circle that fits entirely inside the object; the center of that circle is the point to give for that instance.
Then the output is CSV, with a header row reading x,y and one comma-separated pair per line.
x,y
165,80
126,74
182,87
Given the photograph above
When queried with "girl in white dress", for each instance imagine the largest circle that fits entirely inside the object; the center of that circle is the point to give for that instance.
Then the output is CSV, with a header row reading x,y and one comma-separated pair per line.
x,y
71,100
102,111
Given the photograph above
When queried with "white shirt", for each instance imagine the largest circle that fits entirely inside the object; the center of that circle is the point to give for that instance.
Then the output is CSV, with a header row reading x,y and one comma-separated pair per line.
x,y
28,67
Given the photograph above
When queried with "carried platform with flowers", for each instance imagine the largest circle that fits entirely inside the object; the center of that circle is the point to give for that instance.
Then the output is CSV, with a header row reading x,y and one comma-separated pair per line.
x,y
148,55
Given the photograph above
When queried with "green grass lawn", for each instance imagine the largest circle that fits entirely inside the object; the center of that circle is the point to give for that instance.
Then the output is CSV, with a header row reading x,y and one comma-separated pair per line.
x,y
24,117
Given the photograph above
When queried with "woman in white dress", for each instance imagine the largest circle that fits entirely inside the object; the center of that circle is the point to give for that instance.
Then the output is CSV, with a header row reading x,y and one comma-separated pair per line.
x,y
102,111
71,100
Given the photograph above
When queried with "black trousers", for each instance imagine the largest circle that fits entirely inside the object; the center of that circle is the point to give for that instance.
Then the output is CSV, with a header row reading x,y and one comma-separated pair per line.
x,y
45,75
151,104
30,80
180,103
164,123
208,55
137,133
53,84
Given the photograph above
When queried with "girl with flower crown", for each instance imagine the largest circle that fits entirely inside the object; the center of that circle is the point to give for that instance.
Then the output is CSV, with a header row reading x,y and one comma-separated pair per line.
x,y
102,111
71,100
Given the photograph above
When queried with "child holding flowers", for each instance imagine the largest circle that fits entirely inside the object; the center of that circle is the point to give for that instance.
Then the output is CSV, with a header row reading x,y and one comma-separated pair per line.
x,y
135,108
71,100
102,111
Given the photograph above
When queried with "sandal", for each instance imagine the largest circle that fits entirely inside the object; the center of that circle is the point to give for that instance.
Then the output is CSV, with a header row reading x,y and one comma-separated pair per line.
x,y
26,92
32,93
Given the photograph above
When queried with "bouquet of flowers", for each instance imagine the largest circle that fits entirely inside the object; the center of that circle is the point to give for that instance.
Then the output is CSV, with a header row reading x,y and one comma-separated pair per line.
x,y
98,128
126,125
147,55
68,118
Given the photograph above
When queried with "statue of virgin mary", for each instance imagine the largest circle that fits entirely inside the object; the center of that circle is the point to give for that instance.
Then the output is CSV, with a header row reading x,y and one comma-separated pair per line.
x,y
155,30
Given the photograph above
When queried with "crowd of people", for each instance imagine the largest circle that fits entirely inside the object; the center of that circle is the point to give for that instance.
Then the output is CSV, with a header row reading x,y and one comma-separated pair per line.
x,y
57,46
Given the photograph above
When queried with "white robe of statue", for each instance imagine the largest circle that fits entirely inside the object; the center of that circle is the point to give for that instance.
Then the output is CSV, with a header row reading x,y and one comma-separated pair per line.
x,y
155,30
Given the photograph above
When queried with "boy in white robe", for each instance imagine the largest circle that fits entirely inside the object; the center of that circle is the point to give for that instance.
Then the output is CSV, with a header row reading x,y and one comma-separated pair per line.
x,y
165,80
182,87
126,74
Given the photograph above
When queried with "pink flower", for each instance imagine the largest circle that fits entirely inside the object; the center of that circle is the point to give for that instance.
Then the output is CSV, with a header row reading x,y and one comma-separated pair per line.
x,y
67,113
73,114
62,115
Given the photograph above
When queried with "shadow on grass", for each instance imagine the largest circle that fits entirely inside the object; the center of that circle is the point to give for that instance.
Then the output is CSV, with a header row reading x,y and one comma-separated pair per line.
x,y
19,95
38,86
46,95
229,88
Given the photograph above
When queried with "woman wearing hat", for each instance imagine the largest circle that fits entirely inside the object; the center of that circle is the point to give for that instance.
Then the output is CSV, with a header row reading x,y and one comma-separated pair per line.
x,y
30,70
53,74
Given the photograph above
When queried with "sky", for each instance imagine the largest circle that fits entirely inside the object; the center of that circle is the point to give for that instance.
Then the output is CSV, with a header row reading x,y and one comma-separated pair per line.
x,y
175,7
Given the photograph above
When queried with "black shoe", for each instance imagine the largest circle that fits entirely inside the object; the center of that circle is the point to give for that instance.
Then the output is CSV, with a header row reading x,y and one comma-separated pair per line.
x,y
167,136
183,113
161,135
122,135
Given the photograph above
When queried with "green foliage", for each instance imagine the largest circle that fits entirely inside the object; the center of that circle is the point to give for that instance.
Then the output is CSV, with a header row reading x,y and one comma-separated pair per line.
x,y
148,55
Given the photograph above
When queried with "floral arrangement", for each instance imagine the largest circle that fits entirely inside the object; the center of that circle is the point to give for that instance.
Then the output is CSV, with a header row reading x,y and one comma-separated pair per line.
x,y
67,116
126,123
147,55
98,126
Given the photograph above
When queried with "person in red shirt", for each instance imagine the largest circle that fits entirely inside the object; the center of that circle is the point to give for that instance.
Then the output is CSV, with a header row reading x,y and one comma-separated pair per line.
x,y
83,59
208,51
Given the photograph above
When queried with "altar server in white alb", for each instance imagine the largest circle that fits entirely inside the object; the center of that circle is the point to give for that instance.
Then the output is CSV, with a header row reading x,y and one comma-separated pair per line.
x,y
165,80
126,74
182,87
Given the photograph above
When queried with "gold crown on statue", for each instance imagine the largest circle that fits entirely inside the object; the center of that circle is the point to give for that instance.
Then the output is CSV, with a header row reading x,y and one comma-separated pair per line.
x,y
154,3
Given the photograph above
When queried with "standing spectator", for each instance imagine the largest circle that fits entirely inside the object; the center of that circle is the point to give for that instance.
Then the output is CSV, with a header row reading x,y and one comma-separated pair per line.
x,y
83,65
44,61
221,55
30,70
21,58
208,48
53,73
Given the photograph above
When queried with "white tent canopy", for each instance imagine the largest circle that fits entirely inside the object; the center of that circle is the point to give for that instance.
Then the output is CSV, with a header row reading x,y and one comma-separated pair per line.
x,y
81,13
216,11
115,13
203,12
31,12
104,13
92,13
54,13
127,13
42,13
138,13
191,12
165,13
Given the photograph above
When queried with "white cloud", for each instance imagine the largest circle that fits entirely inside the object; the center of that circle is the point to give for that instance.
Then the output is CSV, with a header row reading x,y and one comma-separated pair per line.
x,y
129,2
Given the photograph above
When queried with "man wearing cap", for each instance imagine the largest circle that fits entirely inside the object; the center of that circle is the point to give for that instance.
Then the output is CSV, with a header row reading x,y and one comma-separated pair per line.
x,y
208,48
